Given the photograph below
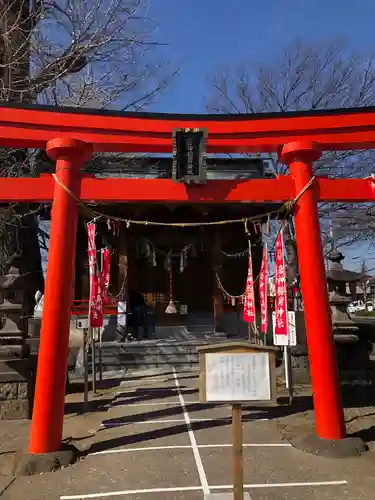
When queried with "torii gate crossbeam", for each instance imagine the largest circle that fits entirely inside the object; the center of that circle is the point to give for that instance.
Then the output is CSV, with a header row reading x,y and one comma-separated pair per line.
x,y
121,190
70,136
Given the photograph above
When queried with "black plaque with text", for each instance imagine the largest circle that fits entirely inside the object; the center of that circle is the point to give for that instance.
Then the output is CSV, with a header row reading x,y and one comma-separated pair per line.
x,y
189,156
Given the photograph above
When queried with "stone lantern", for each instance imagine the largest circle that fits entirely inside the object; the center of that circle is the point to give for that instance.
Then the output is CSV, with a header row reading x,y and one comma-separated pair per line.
x,y
352,351
352,354
16,387
337,279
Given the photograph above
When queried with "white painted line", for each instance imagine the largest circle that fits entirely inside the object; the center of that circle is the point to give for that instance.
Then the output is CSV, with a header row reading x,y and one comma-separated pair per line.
x,y
174,403
145,448
283,485
198,460
199,488
141,382
161,421
188,446
176,421
250,445
129,492
119,424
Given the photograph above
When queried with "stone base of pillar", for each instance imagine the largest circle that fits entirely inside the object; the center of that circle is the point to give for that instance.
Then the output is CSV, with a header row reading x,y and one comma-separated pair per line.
x,y
17,376
17,383
352,359
29,464
300,365
33,341
352,350
330,448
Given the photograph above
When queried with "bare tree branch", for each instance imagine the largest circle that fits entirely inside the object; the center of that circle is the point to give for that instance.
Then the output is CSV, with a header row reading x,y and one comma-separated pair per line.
x,y
97,53
304,77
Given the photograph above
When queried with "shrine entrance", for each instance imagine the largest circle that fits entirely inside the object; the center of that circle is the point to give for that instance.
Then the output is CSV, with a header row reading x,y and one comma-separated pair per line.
x,y
209,259
71,136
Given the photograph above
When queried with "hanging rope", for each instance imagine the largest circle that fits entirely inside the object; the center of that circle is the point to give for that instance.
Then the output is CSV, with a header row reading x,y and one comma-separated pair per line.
x,y
286,207
235,255
171,308
289,205
225,292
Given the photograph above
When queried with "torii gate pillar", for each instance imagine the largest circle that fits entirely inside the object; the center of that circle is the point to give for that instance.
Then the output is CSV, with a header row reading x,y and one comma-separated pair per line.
x,y
48,413
329,415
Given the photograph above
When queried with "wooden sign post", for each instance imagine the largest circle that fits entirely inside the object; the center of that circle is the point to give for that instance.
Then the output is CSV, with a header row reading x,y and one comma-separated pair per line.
x,y
237,462
237,373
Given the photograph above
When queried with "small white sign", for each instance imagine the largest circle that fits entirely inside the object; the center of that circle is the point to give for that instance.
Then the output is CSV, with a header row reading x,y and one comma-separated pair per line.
x,y
235,377
121,314
82,323
291,338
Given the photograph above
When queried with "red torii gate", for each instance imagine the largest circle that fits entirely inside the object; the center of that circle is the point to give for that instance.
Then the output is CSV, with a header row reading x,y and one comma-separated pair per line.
x,y
71,135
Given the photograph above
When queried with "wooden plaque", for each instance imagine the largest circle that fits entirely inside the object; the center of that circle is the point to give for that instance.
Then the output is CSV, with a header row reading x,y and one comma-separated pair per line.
x,y
237,373
189,156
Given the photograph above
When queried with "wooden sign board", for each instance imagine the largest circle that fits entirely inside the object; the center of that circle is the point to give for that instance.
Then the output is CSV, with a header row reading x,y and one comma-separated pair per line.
x,y
237,373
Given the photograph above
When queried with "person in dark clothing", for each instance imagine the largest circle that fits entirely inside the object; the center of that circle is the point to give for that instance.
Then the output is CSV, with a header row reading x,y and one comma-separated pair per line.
x,y
136,299
138,309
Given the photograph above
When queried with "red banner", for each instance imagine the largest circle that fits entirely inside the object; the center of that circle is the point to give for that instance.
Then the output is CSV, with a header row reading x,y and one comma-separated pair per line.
x,y
105,273
96,300
96,303
281,304
263,280
249,306
91,249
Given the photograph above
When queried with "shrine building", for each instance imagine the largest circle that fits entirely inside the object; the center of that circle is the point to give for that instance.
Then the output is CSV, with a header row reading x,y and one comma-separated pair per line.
x,y
209,262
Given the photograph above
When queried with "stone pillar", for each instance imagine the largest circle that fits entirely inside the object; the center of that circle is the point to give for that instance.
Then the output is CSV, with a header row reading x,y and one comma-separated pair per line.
x,y
16,374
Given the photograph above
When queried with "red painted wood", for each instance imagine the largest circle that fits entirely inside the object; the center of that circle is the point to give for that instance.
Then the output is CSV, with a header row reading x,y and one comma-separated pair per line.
x,y
34,128
48,413
329,414
165,190
163,123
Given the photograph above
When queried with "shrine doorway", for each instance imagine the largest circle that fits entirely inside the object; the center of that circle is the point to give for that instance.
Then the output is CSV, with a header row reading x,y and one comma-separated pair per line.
x,y
207,260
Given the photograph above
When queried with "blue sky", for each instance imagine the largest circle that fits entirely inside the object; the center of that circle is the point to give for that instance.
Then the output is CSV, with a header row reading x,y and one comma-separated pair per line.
x,y
203,35
206,34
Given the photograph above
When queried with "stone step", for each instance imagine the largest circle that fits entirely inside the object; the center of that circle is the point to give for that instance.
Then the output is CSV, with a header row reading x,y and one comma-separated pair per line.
x,y
11,339
14,369
149,359
13,351
181,352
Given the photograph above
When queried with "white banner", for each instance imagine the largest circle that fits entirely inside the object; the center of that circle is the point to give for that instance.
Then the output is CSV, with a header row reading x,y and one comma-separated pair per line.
x,y
291,338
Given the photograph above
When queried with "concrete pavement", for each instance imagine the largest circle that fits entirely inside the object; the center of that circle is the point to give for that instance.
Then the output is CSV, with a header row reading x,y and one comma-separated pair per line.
x,y
157,442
